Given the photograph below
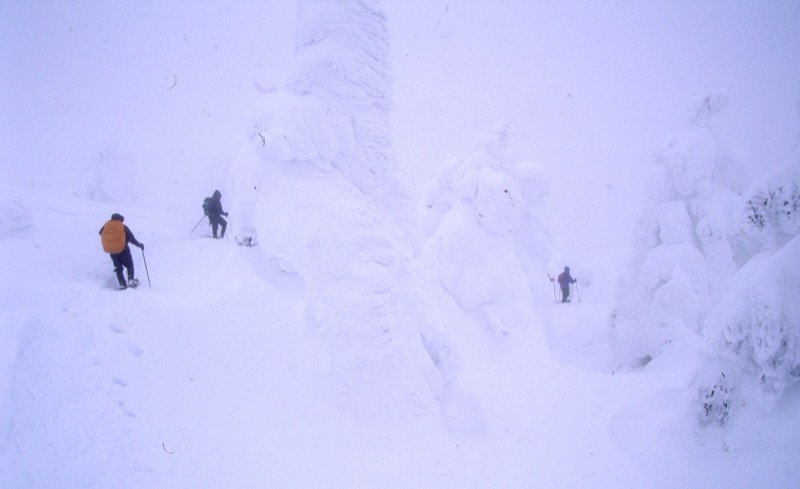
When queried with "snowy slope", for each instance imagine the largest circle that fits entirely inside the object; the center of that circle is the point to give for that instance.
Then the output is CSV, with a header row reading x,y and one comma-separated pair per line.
x,y
355,344
202,381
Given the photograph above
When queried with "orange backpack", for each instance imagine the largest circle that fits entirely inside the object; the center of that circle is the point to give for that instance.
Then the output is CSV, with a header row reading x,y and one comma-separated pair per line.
x,y
113,237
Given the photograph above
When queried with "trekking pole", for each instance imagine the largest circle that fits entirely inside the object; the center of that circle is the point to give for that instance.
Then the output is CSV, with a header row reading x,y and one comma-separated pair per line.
x,y
198,223
578,290
146,270
555,299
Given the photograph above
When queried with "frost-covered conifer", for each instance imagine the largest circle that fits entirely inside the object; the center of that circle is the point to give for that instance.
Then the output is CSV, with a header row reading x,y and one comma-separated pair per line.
x,y
484,236
756,325
316,190
683,257
772,207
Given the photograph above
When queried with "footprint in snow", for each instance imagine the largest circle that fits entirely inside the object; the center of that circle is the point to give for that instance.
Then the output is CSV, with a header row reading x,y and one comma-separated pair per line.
x,y
119,324
135,349
120,382
125,410
116,328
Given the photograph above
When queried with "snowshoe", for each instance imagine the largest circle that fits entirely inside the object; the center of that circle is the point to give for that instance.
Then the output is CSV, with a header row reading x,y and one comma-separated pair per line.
x,y
133,283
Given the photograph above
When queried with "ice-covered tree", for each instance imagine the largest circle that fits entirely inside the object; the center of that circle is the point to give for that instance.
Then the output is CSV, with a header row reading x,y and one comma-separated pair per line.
x,y
718,257
316,190
755,328
683,256
484,238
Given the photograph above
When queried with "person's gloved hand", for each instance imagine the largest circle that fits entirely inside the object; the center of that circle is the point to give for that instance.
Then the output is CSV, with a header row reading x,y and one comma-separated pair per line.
x,y
141,246
225,214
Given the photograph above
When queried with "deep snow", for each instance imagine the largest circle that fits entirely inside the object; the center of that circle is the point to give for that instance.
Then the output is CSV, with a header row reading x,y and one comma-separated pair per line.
x,y
385,342
208,379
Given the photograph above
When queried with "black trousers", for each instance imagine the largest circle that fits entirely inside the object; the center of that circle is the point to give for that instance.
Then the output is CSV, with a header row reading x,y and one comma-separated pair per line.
x,y
564,293
218,221
120,260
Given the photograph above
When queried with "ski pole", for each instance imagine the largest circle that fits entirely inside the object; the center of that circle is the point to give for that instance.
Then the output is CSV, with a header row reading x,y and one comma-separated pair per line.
x,y
198,223
146,270
555,299
578,290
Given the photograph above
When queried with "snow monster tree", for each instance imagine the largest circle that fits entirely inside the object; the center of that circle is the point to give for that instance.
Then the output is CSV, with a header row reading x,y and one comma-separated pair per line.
x,y
316,190
484,237
753,332
683,257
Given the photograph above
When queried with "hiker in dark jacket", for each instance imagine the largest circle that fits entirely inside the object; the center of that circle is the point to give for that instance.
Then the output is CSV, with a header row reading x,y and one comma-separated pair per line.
x,y
215,214
564,280
115,236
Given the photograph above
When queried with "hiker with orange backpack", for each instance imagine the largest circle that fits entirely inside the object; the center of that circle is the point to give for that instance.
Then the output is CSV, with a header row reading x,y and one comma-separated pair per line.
x,y
115,236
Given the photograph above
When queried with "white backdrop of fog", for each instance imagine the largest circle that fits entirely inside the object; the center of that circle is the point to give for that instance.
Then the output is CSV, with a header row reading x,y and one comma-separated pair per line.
x,y
588,89
101,86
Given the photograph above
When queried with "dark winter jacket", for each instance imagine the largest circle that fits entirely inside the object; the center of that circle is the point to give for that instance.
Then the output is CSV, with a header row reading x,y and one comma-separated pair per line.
x,y
216,206
564,279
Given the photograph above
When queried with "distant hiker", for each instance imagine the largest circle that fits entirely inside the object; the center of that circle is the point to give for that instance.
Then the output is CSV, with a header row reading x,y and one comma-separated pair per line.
x,y
115,236
212,206
564,279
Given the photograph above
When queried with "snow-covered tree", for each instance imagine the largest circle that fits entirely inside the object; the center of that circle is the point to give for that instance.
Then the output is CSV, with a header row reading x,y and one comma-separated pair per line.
x,y
316,190
770,215
683,255
484,237
718,257
332,111
755,328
